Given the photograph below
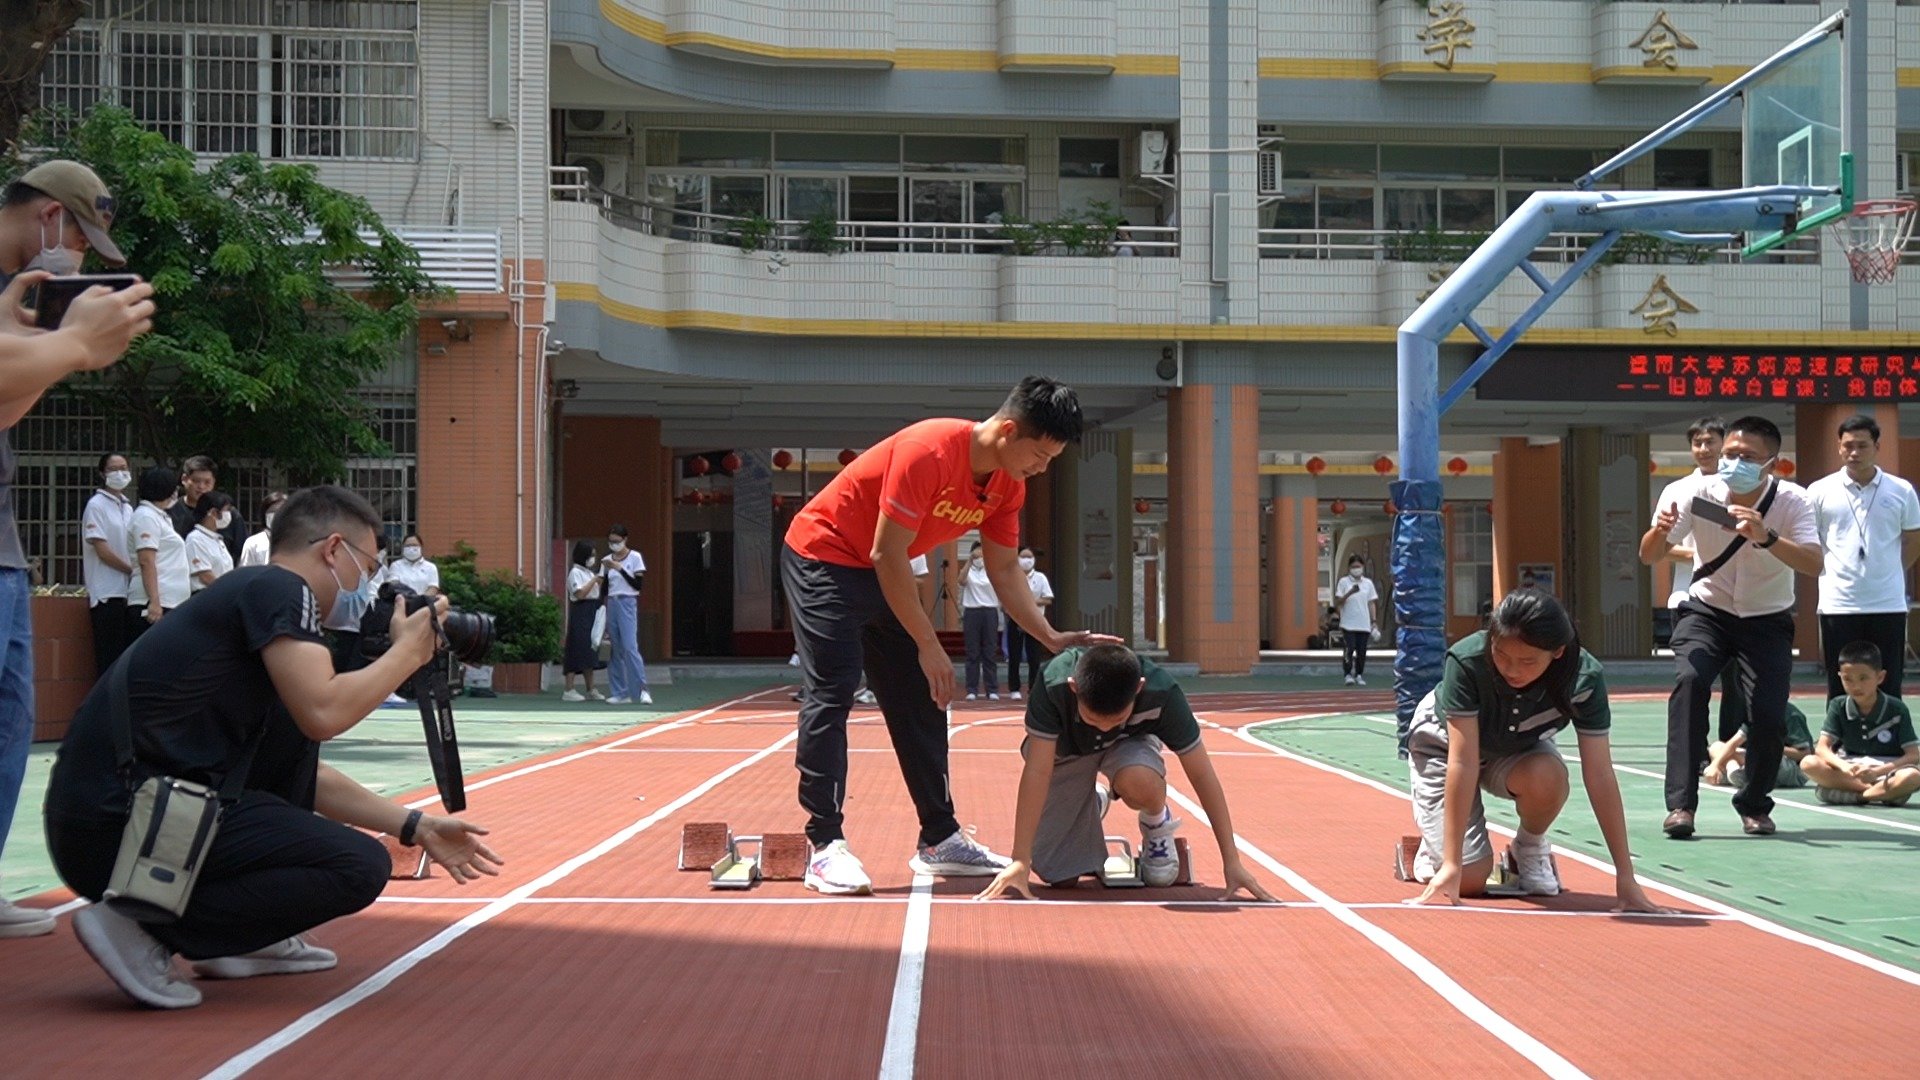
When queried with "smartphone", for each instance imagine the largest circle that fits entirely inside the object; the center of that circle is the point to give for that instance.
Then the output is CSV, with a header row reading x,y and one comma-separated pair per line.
x,y
1707,510
55,295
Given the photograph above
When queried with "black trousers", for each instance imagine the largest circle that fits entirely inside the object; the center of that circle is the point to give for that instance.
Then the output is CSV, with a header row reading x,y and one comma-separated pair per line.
x,y
1888,631
842,626
1353,651
981,626
1022,645
275,870
110,632
1705,641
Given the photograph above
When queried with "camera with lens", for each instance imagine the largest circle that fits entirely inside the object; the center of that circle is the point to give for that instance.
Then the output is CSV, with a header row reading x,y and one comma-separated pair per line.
x,y
458,635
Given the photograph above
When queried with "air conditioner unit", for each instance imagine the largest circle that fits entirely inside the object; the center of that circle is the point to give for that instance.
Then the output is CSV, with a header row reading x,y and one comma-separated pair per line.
x,y
605,172
1153,153
1269,171
596,122
1904,181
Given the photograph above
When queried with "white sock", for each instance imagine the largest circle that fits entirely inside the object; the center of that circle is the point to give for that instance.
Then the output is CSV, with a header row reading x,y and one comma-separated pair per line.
x,y
1154,821
1529,841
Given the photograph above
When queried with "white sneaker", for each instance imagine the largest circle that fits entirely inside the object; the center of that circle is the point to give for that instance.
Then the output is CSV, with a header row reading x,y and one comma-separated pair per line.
x,y
993,697
794,660
1837,797
619,701
1534,867
865,697
132,958
1426,865
1015,695
646,698
1159,861
1359,680
1349,680
1736,775
973,697
1102,800
596,695
573,695
836,871
294,956
17,921
958,856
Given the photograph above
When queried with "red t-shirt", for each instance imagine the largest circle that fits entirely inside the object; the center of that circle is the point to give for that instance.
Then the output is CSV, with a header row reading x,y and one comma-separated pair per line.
x,y
922,476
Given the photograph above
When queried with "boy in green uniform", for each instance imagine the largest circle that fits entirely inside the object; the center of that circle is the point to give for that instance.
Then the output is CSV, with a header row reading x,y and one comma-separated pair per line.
x,y
1103,710
1727,761
1868,752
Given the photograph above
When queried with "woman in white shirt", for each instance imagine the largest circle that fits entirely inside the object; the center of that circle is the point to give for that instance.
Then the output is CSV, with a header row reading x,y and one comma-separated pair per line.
x,y
160,581
413,569
622,569
1019,642
583,603
104,564
207,554
259,547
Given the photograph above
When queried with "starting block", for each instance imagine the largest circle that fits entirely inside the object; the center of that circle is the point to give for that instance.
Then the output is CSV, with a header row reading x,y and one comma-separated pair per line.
x,y
703,843
409,863
1503,880
1403,856
1121,870
784,856
734,870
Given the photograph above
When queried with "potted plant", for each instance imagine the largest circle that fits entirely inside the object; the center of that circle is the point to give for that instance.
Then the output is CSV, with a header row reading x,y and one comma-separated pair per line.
x,y
526,622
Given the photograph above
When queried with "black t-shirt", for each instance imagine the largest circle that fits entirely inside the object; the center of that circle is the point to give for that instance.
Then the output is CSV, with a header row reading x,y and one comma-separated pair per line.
x,y
197,690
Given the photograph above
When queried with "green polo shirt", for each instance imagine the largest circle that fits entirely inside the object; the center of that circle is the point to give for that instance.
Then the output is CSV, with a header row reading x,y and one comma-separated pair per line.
x,y
1161,710
1512,720
1885,731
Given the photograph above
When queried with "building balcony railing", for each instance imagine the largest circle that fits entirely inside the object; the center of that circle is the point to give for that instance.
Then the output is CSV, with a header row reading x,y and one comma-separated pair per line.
x,y
1447,247
464,260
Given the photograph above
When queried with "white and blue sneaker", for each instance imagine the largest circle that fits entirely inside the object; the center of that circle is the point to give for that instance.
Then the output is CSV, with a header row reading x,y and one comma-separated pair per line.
x,y
1159,861
958,856
837,871
1535,869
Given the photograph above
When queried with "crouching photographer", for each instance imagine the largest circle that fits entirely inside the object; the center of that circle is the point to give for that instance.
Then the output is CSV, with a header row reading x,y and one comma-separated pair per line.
x,y
210,725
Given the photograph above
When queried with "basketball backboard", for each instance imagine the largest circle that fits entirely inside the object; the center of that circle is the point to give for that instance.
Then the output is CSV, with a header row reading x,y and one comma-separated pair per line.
x,y
1794,131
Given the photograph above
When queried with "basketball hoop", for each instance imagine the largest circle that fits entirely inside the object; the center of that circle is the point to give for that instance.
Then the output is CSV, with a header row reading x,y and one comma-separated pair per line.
x,y
1874,236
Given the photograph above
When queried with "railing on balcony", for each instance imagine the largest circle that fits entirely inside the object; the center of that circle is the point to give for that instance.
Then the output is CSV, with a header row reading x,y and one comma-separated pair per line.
x,y
923,237
464,260
1388,244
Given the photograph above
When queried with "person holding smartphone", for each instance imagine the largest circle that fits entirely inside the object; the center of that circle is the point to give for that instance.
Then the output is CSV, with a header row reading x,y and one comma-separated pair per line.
x,y
50,217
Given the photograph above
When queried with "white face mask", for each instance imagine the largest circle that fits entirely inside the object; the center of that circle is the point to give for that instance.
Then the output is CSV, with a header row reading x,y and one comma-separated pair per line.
x,y
225,520
617,546
55,259
974,561
1026,563
1357,571
119,479
412,554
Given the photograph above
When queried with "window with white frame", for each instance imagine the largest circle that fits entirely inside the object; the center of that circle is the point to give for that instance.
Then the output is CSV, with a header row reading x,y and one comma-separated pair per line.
x,y
1471,557
287,79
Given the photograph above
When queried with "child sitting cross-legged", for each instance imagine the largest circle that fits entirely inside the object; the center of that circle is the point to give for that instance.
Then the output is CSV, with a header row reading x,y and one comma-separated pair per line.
x,y
1868,752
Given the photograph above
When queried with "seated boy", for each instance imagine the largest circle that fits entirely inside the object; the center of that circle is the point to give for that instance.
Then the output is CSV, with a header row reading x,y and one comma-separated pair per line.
x,y
1867,752
1727,761
1103,710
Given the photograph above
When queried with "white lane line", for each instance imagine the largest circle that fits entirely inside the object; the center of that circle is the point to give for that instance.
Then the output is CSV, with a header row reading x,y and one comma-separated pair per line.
x,y
1543,1057
850,750
1853,956
952,731
672,725
240,1063
903,1018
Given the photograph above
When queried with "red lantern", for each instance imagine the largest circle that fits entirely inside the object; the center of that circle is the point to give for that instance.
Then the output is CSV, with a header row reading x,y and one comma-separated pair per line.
x,y
1316,465
1785,468
1457,466
1389,508
782,459
1652,466
779,502
847,456
1140,506
730,463
1339,507
698,466
1383,464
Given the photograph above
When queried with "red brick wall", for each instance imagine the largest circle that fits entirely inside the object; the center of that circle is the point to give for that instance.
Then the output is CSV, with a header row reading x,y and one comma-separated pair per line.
x,y
62,662
613,469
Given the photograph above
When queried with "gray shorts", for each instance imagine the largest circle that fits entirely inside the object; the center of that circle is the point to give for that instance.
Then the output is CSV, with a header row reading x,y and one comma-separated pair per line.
x,y
1427,760
1071,840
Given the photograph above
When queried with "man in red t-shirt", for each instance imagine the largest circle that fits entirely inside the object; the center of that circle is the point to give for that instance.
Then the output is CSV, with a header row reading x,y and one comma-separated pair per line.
x,y
854,606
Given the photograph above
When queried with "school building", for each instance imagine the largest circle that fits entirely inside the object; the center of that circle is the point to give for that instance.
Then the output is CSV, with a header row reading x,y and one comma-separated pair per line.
x,y
705,247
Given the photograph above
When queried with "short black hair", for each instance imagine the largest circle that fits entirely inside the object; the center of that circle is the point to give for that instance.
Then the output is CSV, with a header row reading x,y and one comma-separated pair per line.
x,y
1759,426
19,194
211,503
1107,679
1045,409
158,484
1861,652
314,513
197,463
106,457
617,529
1706,425
1861,422
1352,559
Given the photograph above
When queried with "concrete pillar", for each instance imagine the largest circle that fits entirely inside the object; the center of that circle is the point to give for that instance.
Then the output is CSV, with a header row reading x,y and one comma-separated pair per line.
x,y
1526,513
1213,466
1293,563
1606,585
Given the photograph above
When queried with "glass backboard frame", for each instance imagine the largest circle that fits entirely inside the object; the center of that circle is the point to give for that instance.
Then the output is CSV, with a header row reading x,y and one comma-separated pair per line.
x,y
1794,130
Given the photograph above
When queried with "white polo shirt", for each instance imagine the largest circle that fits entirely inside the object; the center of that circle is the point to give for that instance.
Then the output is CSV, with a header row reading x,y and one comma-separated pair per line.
x,y
976,588
1753,582
1860,526
1679,493
1353,596
105,519
418,576
151,529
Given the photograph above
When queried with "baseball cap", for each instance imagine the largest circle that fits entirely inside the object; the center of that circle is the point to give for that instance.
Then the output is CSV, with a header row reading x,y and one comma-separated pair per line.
x,y
79,189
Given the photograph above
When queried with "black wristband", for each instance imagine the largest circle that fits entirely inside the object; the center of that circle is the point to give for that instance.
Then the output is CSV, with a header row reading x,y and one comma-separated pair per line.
x,y
1772,539
407,830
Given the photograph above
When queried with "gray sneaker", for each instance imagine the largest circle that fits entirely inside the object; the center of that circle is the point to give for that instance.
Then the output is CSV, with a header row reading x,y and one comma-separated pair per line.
x,y
1837,797
294,956
17,921
132,958
958,856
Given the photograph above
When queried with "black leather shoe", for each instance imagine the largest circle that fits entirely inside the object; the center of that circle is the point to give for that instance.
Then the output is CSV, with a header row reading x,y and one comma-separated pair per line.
x,y
1679,824
1757,824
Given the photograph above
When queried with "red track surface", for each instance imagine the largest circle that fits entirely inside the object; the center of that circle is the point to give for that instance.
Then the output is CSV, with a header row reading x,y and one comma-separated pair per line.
x,y
574,977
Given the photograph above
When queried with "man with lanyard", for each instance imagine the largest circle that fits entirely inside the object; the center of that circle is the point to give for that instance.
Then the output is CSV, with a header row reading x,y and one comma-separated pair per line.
x,y
49,219
854,606
1869,523
1739,609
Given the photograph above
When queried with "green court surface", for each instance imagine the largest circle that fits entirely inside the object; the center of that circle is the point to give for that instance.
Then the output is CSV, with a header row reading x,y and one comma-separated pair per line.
x,y
1849,874
387,753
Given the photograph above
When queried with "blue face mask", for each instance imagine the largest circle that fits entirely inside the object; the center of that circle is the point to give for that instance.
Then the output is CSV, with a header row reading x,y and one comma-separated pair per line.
x,y
1741,475
350,605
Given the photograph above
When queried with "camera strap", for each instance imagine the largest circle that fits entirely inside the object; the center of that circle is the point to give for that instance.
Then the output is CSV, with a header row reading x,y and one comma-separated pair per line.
x,y
119,698
1727,553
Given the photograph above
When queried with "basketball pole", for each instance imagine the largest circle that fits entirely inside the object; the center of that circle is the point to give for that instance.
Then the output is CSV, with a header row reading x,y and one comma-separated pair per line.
x,y
1857,138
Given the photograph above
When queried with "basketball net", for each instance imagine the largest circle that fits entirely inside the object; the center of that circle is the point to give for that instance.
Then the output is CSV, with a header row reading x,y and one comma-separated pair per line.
x,y
1874,236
